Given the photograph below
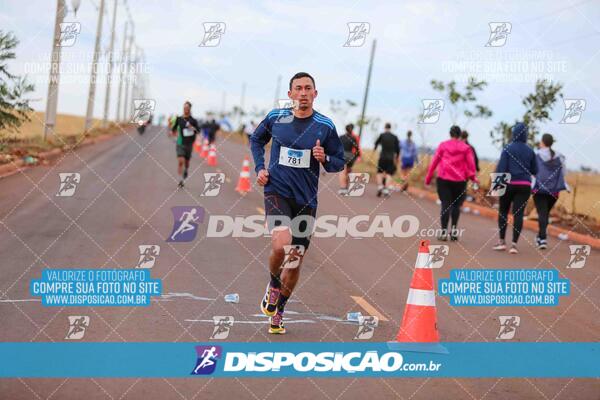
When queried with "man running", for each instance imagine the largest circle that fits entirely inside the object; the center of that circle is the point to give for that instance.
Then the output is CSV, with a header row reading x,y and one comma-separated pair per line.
x,y
388,159
303,140
211,130
351,153
185,127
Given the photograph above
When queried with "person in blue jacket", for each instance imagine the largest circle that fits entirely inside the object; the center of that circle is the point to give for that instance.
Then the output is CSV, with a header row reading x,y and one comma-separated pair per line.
x,y
518,159
549,182
303,141
408,157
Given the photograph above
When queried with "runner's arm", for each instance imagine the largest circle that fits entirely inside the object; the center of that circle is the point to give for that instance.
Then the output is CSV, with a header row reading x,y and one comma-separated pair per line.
x,y
562,172
335,151
471,170
196,125
258,140
434,163
357,145
476,158
533,166
503,162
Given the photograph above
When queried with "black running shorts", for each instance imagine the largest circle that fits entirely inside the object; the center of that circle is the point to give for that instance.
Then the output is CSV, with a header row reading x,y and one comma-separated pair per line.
x,y
282,211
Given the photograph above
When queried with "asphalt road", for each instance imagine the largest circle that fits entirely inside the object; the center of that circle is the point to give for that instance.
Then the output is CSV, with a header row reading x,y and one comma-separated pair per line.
x,y
128,186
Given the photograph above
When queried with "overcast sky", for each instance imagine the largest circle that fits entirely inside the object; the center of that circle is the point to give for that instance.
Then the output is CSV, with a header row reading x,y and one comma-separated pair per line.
x,y
416,42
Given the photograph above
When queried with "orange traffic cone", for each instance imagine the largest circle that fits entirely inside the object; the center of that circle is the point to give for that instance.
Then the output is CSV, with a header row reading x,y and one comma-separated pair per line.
x,y
197,146
419,324
204,152
243,185
212,156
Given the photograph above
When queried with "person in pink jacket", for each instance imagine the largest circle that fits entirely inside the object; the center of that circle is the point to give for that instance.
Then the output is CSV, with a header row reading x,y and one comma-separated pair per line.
x,y
455,165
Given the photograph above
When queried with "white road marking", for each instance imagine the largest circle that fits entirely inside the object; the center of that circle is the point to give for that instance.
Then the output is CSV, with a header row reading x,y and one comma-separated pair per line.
x,y
369,308
18,300
183,295
287,321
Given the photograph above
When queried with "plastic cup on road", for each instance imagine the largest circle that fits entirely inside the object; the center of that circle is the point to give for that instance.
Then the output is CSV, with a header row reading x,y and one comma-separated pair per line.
x,y
232,298
353,316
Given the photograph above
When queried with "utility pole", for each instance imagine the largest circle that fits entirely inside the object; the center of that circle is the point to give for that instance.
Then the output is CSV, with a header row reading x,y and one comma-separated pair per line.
x,y
364,106
52,101
90,105
132,74
135,87
121,73
110,66
127,75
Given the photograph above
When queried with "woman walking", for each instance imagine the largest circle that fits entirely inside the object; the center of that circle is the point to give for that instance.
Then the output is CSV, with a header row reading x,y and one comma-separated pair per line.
x,y
549,182
519,160
408,157
455,165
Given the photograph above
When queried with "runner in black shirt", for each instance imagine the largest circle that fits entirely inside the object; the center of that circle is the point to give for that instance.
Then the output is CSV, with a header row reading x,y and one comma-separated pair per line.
x,y
388,159
351,152
186,128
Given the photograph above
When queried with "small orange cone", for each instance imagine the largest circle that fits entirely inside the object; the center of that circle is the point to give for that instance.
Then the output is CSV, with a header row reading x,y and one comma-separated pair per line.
x,y
243,185
197,146
212,156
419,324
204,152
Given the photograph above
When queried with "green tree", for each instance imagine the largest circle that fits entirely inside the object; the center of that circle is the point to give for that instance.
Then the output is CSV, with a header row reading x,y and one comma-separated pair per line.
x,y
341,109
461,101
14,109
537,110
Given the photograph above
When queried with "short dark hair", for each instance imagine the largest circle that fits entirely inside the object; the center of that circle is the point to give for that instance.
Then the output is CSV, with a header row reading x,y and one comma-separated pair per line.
x,y
409,134
349,128
302,75
455,131
464,134
188,103
387,126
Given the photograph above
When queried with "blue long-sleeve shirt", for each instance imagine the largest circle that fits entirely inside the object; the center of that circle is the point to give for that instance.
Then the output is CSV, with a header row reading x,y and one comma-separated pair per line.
x,y
292,132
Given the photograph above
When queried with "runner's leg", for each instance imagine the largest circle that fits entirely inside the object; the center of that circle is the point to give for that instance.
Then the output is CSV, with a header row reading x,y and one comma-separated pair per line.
x,y
278,213
180,165
520,202
459,189
187,166
343,178
541,205
445,195
289,276
503,209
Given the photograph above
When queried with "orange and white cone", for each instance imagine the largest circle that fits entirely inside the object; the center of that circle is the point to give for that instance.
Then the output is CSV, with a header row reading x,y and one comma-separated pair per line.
x,y
204,152
212,156
197,145
419,324
243,185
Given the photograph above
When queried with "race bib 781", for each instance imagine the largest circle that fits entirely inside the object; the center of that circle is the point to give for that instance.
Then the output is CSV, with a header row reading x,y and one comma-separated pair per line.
x,y
294,157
